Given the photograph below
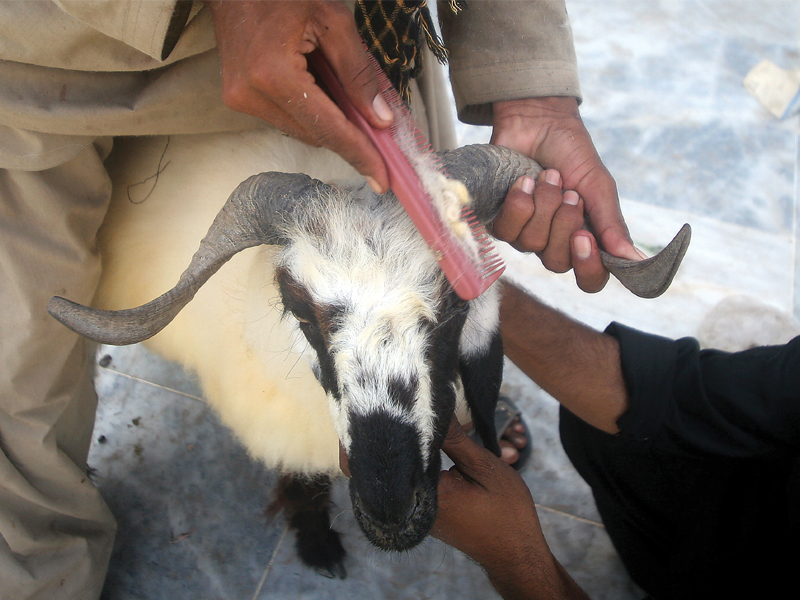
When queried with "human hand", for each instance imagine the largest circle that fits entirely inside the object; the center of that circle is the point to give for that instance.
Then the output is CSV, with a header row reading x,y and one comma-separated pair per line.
x,y
487,512
483,503
263,48
550,131
539,217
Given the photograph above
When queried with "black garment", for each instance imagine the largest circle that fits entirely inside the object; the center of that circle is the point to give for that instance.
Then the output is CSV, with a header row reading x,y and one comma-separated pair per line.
x,y
700,491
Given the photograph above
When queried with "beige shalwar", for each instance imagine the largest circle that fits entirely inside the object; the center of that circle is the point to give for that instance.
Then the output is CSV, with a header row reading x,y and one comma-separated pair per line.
x,y
73,74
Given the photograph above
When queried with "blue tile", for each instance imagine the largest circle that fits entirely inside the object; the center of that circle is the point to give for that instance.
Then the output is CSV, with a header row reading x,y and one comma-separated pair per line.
x,y
188,499
665,104
139,362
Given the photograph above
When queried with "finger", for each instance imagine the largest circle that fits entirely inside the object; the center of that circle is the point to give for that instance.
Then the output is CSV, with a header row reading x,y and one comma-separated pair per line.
x,y
456,435
317,114
515,212
546,199
508,453
568,219
320,116
470,459
347,55
263,108
297,106
599,191
590,274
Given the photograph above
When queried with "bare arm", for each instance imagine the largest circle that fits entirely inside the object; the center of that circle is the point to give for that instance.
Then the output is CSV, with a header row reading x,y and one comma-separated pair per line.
x,y
577,365
487,512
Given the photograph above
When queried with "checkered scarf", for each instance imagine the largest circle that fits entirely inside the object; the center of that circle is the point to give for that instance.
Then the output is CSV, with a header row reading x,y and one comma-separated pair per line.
x,y
394,31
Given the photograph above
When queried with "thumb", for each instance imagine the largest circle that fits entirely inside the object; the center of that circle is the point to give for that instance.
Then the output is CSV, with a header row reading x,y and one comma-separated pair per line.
x,y
469,457
616,240
357,73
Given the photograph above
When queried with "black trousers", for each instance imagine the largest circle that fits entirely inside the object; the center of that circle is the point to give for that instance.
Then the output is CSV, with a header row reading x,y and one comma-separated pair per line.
x,y
691,526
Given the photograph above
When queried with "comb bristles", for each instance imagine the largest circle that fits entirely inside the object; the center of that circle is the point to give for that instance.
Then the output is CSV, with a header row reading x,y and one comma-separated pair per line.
x,y
490,260
496,260
414,171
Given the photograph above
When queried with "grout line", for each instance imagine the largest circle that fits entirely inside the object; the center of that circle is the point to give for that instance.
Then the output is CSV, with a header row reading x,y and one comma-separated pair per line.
x,y
150,383
269,564
568,515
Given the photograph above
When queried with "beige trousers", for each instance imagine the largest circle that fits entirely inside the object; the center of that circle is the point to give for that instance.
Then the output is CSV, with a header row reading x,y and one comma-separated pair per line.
x,y
56,532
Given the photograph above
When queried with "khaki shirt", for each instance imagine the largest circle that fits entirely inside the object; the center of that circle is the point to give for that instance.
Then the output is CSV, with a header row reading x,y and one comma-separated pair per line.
x,y
73,70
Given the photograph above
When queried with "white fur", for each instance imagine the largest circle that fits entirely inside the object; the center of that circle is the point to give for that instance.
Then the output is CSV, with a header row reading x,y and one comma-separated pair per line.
x,y
254,365
389,288
483,321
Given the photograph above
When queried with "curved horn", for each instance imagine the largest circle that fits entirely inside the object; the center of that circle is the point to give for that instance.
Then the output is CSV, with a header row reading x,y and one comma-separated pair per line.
x,y
254,214
489,172
651,277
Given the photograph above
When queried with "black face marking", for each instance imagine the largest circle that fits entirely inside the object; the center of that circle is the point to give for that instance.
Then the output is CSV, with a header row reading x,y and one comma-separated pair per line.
x,y
442,356
394,499
297,301
402,393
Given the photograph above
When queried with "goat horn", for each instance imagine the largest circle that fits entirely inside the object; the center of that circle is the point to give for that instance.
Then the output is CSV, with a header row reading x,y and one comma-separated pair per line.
x,y
253,215
489,172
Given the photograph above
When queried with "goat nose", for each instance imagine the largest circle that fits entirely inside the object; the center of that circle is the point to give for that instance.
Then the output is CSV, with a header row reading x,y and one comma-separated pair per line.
x,y
386,502
386,466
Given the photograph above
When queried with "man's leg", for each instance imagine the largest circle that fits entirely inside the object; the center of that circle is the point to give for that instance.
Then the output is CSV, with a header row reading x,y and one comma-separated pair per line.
x,y
689,526
56,532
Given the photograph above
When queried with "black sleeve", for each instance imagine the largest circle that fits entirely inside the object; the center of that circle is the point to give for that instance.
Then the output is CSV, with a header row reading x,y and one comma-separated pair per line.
x,y
742,404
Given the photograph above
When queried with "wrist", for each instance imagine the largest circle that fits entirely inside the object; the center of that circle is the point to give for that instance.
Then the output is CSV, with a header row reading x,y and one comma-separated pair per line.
x,y
548,106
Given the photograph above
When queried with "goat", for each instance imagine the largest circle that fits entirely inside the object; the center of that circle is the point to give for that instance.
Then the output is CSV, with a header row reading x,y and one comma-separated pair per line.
x,y
333,274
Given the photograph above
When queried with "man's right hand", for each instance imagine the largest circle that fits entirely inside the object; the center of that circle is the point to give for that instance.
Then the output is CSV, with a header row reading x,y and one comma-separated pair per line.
x,y
538,216
263,48
486,511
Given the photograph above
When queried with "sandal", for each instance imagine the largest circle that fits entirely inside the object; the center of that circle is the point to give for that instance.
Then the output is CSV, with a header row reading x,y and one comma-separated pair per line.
x,y
504,414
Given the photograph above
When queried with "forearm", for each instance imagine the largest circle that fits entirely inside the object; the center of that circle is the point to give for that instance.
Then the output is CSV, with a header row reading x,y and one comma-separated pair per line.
x,y
577,365
536,582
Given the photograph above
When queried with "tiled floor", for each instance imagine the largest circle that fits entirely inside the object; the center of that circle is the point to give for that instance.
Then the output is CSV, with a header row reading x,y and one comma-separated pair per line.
x,y
664,102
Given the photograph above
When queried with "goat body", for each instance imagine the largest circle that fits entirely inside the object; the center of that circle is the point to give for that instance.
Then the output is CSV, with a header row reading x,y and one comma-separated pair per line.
x,y
249,359
354,300
327,320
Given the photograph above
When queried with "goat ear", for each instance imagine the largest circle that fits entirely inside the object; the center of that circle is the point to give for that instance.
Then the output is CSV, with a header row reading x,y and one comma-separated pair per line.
x,y
481,375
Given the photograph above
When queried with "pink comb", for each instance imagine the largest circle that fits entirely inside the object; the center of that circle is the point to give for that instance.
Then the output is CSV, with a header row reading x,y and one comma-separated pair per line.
x,y
469,280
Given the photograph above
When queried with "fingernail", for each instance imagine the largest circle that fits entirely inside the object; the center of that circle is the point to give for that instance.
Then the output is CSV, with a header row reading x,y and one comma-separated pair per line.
x,y
640,253
527,184
382,109
571,197
582,246
373,184
552,177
